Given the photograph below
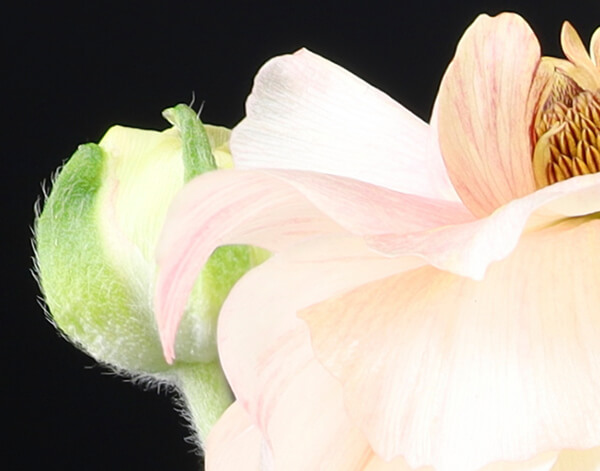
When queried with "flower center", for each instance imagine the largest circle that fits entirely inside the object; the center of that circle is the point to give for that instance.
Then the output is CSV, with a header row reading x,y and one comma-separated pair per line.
x,y
566,133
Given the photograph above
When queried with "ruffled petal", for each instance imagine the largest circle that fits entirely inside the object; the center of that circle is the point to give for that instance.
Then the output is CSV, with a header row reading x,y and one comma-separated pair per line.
x,y
219,208
266,354
258,320
307,113
273,210
234,443
468,249
455,373
578,460
484,113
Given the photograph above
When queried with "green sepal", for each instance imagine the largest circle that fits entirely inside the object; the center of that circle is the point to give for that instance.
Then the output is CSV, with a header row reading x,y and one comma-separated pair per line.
x,y
197,155
88,299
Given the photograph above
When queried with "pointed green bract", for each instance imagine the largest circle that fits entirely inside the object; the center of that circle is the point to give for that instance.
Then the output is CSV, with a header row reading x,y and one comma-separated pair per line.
x,y
197,155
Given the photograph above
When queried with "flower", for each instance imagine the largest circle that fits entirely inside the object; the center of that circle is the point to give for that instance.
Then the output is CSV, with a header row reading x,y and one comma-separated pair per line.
x,y
432,301
95,243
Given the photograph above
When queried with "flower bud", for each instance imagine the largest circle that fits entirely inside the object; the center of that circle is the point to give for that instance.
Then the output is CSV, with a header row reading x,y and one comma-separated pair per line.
x,y
96,238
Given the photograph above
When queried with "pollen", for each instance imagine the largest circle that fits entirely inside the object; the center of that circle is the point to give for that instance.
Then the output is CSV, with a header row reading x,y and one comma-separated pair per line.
x,y
566,134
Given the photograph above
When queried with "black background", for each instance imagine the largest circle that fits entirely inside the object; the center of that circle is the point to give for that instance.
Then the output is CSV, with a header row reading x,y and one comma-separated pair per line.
x,y
69,71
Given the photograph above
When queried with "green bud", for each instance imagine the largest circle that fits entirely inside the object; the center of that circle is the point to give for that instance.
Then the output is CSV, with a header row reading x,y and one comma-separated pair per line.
x,y
97,234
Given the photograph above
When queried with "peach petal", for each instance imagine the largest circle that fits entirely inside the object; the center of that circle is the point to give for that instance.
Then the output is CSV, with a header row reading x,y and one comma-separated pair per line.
x,y
307,113
484,113
468,249
234,443
310,429
455,373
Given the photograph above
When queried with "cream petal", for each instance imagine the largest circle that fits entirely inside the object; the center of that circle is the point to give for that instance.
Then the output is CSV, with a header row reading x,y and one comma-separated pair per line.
x,y
456,373
272,210
234,443
585,72
595,47
468,249
484,113
307,113
398,464
578,460
573,47
541,462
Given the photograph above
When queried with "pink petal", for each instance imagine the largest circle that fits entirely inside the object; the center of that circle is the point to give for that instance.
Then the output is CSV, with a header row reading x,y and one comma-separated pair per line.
x,y
468,249
234,443
273,210
307,113
456,373
366,209
484,114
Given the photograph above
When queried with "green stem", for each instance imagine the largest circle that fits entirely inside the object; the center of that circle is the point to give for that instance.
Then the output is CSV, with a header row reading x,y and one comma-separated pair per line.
x,y
206,394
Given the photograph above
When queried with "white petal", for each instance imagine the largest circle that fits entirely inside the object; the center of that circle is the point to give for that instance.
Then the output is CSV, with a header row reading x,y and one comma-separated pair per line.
x,y
307,113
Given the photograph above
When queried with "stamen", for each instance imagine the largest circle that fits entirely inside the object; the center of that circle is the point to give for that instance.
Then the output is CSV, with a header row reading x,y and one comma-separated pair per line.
x,y
566,133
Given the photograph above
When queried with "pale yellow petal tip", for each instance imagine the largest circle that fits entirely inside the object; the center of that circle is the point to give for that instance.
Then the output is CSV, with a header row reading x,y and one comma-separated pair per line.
x,y
595,47
573,46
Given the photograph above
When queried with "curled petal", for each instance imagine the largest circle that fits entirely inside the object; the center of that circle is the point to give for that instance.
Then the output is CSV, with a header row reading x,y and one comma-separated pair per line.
x,y
456,373
468,249
298,118
484,113
258,320
273,210
219,208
